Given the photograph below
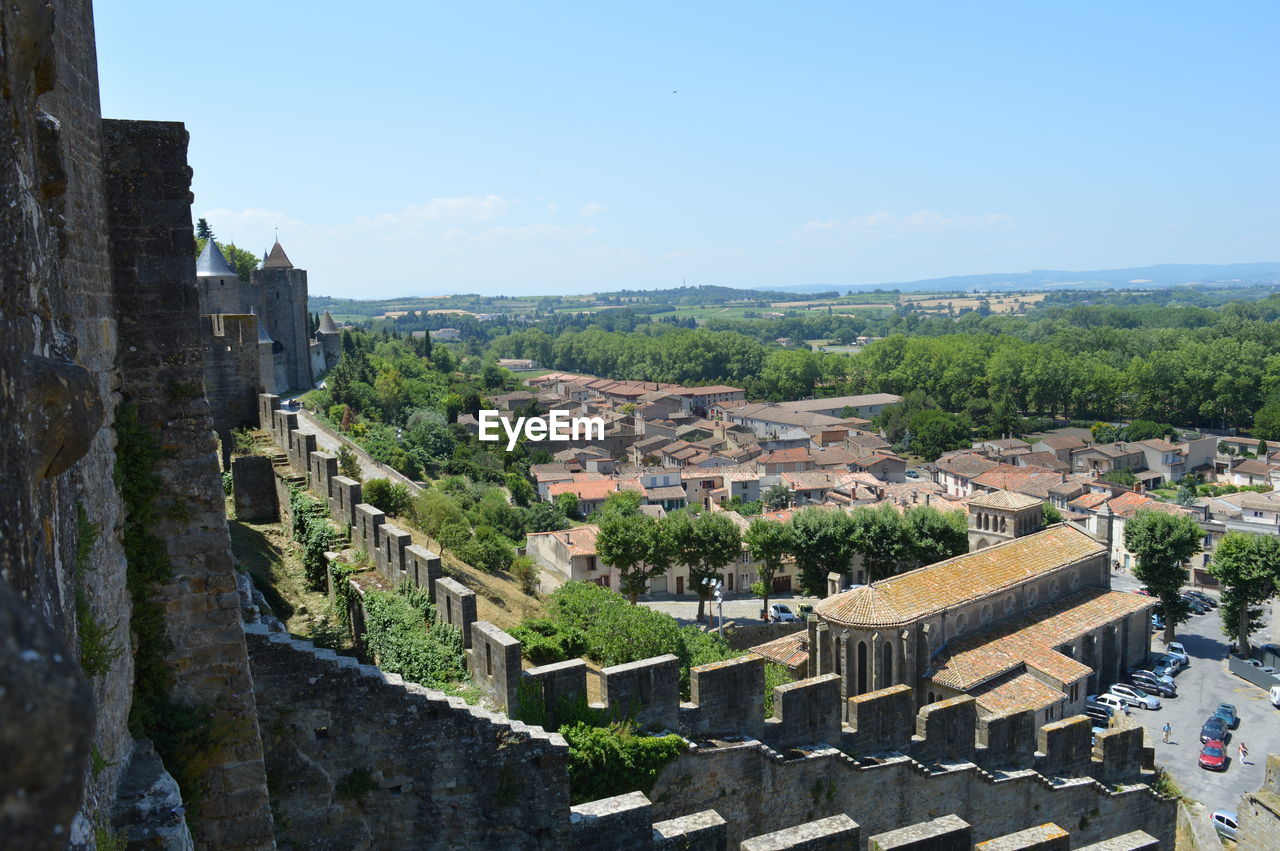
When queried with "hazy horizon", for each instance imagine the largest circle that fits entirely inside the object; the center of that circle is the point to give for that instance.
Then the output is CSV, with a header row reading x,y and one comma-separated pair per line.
x,y
570,149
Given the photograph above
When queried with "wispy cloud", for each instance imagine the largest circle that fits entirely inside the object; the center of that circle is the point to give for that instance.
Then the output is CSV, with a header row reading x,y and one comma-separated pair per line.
x,y
919,222
468,208
591,208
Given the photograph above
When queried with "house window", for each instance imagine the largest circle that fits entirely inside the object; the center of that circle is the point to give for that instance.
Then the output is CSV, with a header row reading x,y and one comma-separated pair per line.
x,y
591,562
1075,692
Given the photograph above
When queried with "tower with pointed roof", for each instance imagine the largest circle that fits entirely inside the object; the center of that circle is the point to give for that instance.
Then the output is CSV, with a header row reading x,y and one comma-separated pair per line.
x,y
280,292
277,293
329,338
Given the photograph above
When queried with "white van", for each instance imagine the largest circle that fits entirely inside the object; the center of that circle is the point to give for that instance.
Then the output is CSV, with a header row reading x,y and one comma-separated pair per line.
x,y
1275,696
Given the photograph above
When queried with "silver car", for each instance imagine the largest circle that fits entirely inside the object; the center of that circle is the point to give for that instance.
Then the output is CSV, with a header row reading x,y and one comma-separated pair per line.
x,y
1134,696
1225,822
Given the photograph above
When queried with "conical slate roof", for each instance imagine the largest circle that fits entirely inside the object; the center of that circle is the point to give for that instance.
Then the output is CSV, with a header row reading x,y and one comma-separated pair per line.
x,y
327,325
211,263
277,259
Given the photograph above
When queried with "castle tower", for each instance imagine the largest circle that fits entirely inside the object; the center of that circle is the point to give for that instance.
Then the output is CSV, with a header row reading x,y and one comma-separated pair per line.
x,y
1002,516
219,285
281,292
330,339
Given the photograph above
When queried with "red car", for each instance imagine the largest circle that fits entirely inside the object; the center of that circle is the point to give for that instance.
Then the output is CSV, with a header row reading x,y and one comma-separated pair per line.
x,y
1213,755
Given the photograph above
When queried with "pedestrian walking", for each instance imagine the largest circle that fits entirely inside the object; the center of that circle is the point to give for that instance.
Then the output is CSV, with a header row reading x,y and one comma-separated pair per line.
x,y
1166,730
1244,752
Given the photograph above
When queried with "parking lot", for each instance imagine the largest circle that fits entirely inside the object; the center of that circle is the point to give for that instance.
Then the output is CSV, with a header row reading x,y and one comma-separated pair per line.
x,y
1201,687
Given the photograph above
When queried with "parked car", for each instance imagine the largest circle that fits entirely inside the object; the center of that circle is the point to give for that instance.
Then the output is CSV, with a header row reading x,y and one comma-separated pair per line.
x,y
1214,729
1156,622
1204,598
1108,700
1213,755
781,613
912,474
1134,696
1166,660
1227,712
1179,652
1266,669
1270,648
1225,822
1166,678
1274,694
1198,607
1143,591
1147,681
804,610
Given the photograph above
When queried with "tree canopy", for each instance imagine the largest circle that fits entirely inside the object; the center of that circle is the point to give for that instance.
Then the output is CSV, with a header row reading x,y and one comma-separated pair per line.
x,y
1163,543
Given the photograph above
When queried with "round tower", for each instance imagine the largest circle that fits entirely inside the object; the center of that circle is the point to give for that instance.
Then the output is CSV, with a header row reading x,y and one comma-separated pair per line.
x,y
219,285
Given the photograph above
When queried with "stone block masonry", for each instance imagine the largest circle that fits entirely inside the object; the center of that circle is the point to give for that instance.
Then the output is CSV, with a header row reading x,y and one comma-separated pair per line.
x,y
254,488
162,374
456,604
431,772
947,833
646,692
829,834
494,660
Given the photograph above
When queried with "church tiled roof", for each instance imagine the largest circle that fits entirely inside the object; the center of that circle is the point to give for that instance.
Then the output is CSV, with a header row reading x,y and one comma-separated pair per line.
x,y
907,597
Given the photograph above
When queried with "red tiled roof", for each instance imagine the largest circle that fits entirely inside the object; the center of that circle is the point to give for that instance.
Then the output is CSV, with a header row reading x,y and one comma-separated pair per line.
x,y
789,650
1030,639
910,596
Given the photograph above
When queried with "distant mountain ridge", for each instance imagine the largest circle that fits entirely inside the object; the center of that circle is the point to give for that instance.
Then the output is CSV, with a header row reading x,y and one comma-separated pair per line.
x,y
1137,277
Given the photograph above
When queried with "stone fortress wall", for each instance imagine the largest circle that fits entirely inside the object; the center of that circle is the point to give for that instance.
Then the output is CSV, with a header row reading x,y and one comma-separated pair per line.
x,y
871,759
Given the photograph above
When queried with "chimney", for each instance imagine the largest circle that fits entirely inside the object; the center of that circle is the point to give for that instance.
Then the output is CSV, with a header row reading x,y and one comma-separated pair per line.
x,y
926,498
915,495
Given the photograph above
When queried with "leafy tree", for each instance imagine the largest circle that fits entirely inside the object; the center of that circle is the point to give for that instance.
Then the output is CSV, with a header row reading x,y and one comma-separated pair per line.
x,y
1266,422
769,544
1248,566
879,536
932,535
203,231
453,535
521,491
629,543
393,498
525,571
545,517
568,504
1050,513
776,497
487,550
1120,477
1104,433
822,543
348,464
934,432
1163,543
706,543
1147,430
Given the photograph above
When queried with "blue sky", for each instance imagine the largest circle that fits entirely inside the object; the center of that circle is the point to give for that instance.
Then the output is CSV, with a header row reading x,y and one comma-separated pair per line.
x,y
415,148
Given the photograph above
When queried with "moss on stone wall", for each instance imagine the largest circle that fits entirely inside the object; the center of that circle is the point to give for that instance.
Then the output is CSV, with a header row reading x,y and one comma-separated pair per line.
x,y
184,734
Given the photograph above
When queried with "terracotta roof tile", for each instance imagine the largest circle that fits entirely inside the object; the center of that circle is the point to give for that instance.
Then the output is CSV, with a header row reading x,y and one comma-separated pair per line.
x,y
1030,639
910,596
1022,692
790,650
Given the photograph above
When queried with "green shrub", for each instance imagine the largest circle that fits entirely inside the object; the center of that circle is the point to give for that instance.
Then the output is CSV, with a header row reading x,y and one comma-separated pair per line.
x,y
393,498
618,632
614,760
402,635
544,641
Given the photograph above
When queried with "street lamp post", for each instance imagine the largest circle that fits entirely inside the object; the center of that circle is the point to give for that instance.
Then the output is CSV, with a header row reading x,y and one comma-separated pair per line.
x,y
714,585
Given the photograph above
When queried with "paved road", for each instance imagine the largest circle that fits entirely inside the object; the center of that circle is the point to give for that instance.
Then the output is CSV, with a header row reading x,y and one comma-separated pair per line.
x,y
329,441
1201,687
743,608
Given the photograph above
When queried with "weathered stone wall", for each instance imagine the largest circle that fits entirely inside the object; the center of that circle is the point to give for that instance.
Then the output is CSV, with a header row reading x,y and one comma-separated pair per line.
x,y
162,375
757,790
253,484
1260,812
357,755
231,381
282,296
56,380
